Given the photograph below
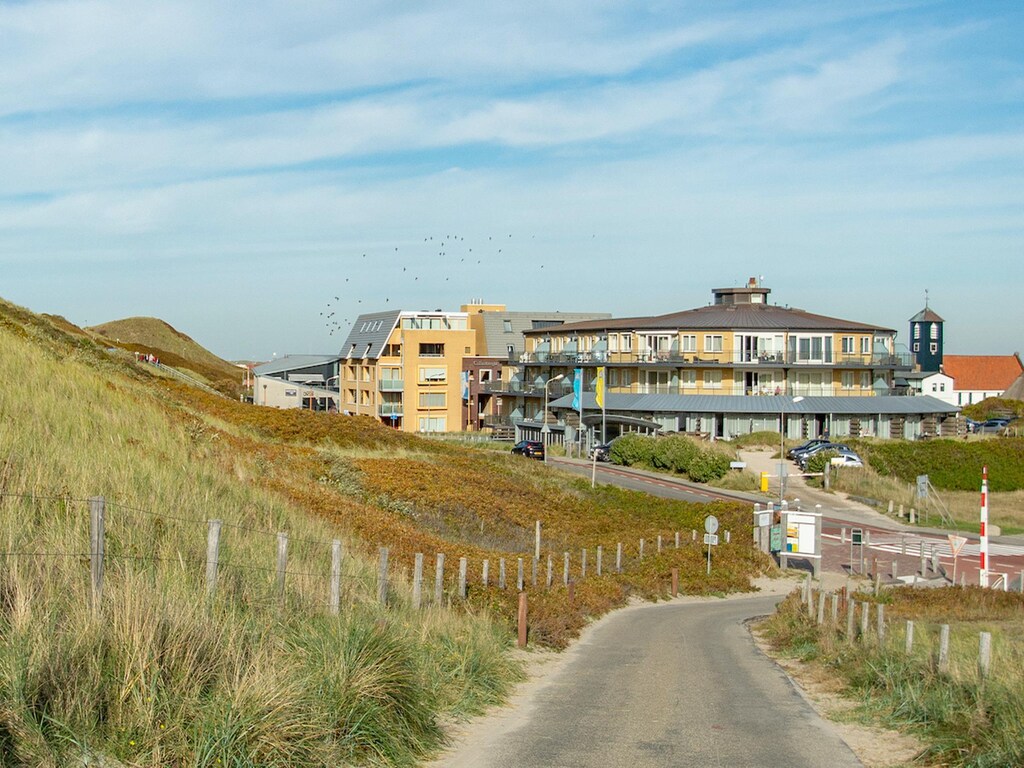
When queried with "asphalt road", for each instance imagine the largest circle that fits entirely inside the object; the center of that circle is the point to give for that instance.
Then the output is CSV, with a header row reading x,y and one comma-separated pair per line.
x,y
679,684
639,481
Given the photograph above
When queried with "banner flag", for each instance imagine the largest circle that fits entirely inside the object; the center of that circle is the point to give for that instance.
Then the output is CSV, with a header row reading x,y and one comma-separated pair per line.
x,y
599,388
577,388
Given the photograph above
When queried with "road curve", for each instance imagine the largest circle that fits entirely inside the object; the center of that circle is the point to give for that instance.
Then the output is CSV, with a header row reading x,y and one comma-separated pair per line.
x,y
670,684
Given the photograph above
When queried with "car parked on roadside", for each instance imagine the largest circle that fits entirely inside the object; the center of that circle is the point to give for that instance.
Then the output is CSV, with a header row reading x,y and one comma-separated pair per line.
x,y
531,449
839,448
794,452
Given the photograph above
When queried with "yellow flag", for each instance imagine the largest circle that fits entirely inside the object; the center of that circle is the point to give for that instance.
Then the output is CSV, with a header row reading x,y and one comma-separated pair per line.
x,y
599,388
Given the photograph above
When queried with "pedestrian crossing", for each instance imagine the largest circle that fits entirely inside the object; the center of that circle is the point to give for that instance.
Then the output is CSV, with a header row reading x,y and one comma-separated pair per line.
x,y
911,546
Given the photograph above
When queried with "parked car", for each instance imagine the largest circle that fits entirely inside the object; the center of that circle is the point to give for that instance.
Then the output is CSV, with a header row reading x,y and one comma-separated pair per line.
x,y
531,449
601,452
793,452
992,426
850,459
805,457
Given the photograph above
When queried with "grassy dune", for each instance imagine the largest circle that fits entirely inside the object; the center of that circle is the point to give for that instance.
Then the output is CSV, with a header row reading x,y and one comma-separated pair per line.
x,y
161,675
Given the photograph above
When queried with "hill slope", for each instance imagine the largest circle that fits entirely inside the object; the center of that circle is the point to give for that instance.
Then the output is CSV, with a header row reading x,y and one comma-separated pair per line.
x,y
174,348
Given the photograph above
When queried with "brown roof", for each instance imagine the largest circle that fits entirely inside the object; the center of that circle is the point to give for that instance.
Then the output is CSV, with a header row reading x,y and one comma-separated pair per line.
x,y
982,372
724,317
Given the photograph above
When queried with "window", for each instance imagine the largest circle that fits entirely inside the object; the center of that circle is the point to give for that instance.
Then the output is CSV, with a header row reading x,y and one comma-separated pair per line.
x,y
865,379
865,345
847,379
433,400
933,332
627,342
432,423
431,350
613,342
507,325
433,375
688,378
935,387
712,344
917,330
688,343
917,347
391,350
942,386
847,345
350,396
933,347
713,379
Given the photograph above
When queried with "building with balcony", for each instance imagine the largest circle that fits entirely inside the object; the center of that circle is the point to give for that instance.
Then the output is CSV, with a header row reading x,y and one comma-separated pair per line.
x,y
298,381
739,346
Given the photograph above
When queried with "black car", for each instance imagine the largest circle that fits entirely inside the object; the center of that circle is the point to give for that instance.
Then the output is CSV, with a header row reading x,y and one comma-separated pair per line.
x,y
601,452
531,449
794,453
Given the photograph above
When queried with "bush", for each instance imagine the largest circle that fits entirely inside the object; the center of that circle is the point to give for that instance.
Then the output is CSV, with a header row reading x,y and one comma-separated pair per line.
x,y
951,465
707,466
674,452
820,460
633,449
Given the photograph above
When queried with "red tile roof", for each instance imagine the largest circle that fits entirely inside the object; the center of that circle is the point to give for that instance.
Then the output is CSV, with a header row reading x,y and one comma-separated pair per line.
x,y
982,372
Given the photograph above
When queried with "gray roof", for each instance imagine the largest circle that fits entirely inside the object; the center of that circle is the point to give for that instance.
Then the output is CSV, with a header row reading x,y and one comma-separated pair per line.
x,y
729,317
497,339
926,315
756,404
293,363
371,329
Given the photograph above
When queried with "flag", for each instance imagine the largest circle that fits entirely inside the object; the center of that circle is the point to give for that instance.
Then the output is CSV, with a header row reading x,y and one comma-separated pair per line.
x,y
599,388
465,384
577,388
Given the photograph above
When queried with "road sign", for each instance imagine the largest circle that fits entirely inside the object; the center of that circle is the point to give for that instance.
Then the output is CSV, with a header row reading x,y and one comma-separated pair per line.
x,y
775,538
711,524
762,519
922,486
856,536
711,538
956,543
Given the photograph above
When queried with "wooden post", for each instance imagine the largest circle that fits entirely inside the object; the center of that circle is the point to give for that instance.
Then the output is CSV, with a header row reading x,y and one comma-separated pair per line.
x,y
890,507
521,620
894,576
536,543
693,534
618,557
439,579
908,642
851,607
641,549
599,553
675,582
487,573
944,649
659,543
565,569
550,576
821,607
97,545
677,539
417,582
571,590
901,512
520,575
212,555
282,563
842,535
382,576
501,573
463,571
335,603
984,654
835,607
534,567
728,535
583,563
865,620
880,610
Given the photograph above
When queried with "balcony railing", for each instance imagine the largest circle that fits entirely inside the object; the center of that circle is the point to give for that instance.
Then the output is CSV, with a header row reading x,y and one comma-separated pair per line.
x,y
391,385
390,409
709,359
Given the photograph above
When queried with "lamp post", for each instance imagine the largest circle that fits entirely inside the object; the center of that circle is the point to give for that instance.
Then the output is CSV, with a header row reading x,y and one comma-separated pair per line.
x,y
782,448
546,430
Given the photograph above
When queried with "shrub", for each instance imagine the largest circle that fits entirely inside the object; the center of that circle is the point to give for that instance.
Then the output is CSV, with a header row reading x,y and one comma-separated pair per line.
x,y
820,460
707,466
951,465
674,452
632,449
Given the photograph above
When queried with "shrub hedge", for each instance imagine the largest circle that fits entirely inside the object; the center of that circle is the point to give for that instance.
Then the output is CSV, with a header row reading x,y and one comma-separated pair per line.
x,y
674,453
951,465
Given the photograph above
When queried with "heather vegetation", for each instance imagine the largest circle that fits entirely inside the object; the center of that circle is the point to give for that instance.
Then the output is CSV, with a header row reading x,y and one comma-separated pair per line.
x,y
952,465
162,675
965,719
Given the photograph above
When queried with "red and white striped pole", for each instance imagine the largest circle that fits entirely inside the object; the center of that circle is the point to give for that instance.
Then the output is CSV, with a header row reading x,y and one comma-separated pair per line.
x,y
983,553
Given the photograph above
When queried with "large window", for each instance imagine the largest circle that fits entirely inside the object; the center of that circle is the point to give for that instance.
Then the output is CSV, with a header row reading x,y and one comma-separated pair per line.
x,y
431,350
811,349
433,375
713,378
865,345
627,342
432,423
688,378
433,399
933,332
847,378
847,345
712,343
688,343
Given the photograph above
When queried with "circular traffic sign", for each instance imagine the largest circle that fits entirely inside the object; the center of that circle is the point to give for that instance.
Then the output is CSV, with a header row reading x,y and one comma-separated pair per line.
x,y
710,524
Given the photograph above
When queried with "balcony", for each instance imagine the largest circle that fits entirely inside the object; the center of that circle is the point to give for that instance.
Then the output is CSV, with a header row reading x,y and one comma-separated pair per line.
x,y
390,409
713,359
391,385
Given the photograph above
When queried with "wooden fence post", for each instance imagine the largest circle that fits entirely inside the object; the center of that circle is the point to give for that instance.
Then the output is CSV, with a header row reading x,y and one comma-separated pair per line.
x,y
675,582
583,563
728,536
851,607
944,649
881,623
550,577
534,567
439,579
486,572
865,620
641,549
212,555
335,600
382,577
520,576
417,582
821,607
693,534
835,607
677,539
565,569
659,543
282,563
463,570
97,546
984,654
908,642
599,555
618,557
536,543
521,621
501,573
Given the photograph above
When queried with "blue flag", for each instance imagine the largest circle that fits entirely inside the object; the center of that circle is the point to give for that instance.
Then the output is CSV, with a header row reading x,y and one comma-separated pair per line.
x,y
577,388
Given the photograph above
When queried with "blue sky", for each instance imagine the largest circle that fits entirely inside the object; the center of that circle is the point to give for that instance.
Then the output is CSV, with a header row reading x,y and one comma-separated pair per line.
x,y
226,166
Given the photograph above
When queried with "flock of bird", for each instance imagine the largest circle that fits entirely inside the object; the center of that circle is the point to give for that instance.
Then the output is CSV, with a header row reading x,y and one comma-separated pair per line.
x,y
433,259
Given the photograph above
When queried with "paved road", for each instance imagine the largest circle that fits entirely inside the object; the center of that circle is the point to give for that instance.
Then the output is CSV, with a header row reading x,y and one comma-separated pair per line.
x,y
673,684
636,480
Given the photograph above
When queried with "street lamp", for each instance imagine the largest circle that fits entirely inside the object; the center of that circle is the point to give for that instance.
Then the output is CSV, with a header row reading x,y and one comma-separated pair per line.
x,y
782,447
546,430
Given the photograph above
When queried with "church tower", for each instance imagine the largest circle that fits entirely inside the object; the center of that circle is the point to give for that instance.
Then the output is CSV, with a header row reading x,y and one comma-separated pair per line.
x,y
926,338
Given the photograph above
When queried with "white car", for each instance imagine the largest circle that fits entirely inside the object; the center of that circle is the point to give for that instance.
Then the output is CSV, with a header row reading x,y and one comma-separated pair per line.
x,y
847,460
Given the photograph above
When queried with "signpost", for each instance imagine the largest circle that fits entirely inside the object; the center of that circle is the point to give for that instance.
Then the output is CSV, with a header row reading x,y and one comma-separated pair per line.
x,y
956,544
802,531
710,529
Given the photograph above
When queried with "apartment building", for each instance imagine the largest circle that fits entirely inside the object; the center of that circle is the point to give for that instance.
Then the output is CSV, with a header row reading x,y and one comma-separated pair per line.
x,y
405,368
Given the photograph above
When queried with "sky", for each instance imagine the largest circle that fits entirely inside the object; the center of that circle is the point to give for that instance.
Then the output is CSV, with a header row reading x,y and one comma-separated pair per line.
x,y
259,173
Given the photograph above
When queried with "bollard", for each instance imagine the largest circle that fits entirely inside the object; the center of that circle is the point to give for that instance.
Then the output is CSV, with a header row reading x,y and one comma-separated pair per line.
x,y
908,642
520,575
842,535
821,607
901,515
851,607
600,552
675,582
913,516
618,557
565,569
890,507
944,649
894,575
835,607
865,619
984,654
677,539
522,620
881,622
551,565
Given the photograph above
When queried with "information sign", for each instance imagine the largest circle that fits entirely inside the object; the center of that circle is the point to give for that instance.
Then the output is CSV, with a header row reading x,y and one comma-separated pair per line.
x,y
711,538
800,534
922,486
775,539
856,536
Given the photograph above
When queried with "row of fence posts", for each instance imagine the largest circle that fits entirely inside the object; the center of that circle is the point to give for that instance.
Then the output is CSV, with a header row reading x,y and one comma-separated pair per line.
x,y
842,601
97,551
